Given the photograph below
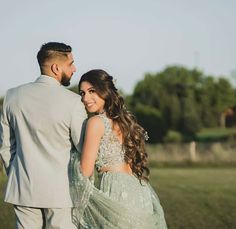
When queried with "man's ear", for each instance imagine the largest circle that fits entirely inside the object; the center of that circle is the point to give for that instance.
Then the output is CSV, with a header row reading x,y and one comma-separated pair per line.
x,y
55,69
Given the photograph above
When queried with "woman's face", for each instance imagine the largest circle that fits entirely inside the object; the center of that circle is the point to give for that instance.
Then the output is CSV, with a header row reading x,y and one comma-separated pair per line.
x,y
92,102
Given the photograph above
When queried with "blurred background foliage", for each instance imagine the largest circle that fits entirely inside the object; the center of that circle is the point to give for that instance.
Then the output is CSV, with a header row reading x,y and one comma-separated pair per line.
x,y
184,101
177,103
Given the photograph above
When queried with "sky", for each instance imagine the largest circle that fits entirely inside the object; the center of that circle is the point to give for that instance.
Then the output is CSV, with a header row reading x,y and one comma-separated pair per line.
x,y
126,38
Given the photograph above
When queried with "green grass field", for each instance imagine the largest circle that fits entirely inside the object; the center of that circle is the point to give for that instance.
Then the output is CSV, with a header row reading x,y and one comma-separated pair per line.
x,y
197,198
7,218
192,198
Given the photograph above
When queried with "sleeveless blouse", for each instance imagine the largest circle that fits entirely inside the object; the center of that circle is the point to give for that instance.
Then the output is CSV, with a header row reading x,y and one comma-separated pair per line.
x,y
111,152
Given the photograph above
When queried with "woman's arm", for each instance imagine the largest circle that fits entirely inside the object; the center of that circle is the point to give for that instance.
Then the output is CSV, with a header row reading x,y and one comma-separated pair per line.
x,y
93,135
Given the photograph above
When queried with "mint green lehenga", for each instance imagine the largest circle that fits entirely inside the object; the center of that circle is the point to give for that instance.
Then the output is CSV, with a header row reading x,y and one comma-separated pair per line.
x,y
120,201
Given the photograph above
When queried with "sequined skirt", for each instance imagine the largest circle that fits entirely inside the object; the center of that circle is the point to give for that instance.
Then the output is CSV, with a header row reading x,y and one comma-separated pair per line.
x,y
128,190
119,202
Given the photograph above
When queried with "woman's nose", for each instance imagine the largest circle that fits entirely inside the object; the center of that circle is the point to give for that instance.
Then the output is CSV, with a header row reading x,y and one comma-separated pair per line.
x,y
85,97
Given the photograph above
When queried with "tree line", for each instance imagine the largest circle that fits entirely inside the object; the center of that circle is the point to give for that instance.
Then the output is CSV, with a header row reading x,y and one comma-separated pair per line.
x,y
177,102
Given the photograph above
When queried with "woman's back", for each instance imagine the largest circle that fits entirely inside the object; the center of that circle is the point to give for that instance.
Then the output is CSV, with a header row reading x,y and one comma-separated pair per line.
x,y
120,200
111,153
116,177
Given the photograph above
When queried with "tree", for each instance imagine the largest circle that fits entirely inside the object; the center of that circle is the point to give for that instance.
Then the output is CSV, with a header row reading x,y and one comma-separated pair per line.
x,y
185,99
1,103
150,118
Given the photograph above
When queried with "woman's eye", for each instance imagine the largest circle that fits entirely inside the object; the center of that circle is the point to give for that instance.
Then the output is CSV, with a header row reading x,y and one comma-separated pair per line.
x,y
92,91
81,93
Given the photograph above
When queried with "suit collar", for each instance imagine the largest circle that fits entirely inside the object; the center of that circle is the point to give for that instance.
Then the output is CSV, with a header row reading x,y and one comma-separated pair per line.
x,y
47,80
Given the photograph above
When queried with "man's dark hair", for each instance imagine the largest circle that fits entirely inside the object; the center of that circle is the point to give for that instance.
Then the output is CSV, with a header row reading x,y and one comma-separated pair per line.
x,y
51,50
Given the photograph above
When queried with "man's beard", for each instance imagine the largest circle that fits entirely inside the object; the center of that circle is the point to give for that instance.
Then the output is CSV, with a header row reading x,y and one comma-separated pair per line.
x,y
65,80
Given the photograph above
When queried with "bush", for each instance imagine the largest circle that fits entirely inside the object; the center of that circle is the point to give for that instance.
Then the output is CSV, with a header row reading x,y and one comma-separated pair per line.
x,y
173,137
151,120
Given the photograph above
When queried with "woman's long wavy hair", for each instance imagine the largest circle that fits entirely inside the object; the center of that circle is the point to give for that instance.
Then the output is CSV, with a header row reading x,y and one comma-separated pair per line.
x,y
133,134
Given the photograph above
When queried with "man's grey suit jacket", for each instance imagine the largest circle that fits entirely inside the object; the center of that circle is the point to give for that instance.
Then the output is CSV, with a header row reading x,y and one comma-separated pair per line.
x,y
41,123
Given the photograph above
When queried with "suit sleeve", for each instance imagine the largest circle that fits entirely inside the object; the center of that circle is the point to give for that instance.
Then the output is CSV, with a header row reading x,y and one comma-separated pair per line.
x,y
78,124
7,138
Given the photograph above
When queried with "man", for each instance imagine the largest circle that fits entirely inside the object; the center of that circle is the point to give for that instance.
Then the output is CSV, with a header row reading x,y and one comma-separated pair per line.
x,y
40,125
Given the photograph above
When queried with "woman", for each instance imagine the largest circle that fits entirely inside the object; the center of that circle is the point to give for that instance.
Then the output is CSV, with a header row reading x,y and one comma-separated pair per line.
x,y
114,143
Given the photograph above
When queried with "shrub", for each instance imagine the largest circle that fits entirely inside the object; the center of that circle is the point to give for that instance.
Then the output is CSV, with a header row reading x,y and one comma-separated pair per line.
x,y
173,137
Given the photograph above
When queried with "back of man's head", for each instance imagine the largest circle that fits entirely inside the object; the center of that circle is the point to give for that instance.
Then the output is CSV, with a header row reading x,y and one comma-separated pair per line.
x,y
50,51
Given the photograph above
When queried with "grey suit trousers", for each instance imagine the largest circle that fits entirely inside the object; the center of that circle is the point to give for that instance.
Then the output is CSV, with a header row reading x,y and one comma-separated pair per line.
x,y
43,218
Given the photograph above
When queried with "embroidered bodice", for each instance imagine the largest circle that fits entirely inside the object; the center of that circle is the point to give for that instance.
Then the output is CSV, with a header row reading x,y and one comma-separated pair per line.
x,y
111,151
